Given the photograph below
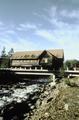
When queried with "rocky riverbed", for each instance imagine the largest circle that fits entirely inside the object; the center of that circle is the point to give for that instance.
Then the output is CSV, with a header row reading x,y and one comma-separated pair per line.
x,y
18,100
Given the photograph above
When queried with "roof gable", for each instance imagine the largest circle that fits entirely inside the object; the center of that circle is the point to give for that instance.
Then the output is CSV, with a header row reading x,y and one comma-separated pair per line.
x,y
59,53
45,53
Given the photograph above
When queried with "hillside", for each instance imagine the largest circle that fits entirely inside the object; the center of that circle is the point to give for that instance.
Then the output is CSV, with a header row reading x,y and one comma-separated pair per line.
x,y
59,102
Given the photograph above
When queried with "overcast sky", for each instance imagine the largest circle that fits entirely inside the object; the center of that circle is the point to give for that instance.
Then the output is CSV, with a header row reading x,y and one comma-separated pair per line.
x,y
40,24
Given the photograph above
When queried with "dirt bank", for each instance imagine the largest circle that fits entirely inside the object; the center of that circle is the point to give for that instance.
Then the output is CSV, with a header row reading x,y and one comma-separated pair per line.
x,y
60,102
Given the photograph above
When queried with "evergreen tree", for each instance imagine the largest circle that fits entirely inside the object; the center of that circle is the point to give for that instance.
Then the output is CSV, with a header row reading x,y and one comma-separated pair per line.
x,y
3,53
10,52
4,59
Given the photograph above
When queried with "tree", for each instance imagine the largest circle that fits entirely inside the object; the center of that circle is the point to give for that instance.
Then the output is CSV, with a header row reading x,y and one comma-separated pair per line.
x,y
10,52
3,53
5,59
71,64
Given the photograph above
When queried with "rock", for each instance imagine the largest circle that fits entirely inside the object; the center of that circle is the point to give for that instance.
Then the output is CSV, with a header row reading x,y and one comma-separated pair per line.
x,y
66,106
34,97
38,103
46,93
31,113
19,100
52,84
44,102
49,99
32,107
46,115
29,104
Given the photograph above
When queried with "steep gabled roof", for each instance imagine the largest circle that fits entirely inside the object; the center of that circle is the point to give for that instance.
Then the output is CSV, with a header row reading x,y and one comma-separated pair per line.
x,y
58,53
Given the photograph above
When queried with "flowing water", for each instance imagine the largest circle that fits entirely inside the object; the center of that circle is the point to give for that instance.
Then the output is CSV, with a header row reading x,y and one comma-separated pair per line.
x,y
18,99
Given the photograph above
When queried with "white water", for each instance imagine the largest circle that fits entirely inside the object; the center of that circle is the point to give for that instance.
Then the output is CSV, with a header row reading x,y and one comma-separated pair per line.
x,y
18,94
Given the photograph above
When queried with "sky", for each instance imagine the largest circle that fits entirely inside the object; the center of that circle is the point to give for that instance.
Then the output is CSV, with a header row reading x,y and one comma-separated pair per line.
x,y
40,25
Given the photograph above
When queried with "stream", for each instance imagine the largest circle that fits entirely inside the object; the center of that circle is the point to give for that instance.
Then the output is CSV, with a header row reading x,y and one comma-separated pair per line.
x,y
16,100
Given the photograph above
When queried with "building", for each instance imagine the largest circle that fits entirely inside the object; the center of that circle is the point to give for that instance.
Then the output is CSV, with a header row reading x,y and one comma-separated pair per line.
x,y
46,59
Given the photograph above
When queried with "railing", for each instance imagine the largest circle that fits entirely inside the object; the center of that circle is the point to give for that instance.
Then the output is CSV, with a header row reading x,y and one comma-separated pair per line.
x,y
72,73
24,69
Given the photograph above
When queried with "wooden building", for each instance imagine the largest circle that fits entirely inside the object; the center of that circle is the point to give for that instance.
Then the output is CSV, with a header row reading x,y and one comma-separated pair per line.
x,y
47,59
